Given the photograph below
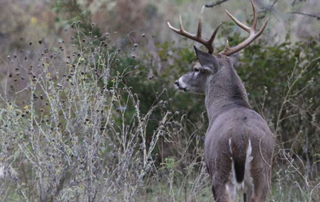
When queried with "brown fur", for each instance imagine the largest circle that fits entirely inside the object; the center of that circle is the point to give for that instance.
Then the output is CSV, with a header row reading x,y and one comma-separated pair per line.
x,y
231,117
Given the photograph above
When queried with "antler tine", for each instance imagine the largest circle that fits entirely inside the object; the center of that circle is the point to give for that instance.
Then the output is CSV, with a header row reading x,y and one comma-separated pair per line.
x,y
254,22
197,37
213,36
262,28
172,28
199,31
227,47
251,30
240,24
181,26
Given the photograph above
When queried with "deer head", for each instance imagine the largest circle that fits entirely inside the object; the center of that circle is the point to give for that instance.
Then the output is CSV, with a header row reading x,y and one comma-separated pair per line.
x,y
195,80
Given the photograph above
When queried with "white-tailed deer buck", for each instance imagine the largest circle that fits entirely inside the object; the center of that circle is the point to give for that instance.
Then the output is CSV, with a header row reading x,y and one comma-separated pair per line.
x,y
239,144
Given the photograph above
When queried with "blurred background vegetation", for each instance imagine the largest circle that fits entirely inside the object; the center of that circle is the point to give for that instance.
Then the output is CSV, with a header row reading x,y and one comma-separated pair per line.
x,y
50,45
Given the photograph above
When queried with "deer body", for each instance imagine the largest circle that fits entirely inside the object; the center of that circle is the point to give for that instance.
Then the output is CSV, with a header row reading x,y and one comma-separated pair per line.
x,y
238,144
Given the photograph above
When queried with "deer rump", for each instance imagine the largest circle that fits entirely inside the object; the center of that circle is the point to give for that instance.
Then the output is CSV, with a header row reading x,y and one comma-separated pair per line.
x,y
235,139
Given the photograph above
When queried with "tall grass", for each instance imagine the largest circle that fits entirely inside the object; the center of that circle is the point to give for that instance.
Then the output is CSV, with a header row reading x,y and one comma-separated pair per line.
x,y
67,133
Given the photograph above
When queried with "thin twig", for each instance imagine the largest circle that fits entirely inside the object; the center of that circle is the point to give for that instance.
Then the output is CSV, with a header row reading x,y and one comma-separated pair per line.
x,y
306,14
268,8
274,3
215,4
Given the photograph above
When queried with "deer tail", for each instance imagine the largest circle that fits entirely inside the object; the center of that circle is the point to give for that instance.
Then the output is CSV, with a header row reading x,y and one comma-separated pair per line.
x,y
241,157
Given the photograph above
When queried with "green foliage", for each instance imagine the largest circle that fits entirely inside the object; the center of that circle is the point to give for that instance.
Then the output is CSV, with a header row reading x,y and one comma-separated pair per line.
x,y
169,163
74,13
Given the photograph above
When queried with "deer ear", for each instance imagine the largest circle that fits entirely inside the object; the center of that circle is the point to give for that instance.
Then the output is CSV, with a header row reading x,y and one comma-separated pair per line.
x,y
234,58
207,60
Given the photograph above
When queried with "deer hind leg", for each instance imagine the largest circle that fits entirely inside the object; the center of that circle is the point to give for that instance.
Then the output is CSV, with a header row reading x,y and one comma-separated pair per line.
x,y
261,188
249,188
248,194
260,193
223,192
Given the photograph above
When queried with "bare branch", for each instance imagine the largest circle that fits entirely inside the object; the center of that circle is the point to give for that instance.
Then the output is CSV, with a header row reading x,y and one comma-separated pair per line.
x,y
306,14
274,3
215,4
295,1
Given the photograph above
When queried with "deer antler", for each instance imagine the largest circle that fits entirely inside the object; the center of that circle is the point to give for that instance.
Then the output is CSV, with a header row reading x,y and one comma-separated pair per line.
x,y
197,37
253,34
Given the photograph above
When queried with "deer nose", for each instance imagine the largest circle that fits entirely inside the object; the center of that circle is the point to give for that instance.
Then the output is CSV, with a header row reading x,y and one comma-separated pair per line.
x,y
177,83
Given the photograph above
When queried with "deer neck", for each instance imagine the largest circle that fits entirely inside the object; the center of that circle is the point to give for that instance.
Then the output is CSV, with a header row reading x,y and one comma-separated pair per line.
x,y
225,90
